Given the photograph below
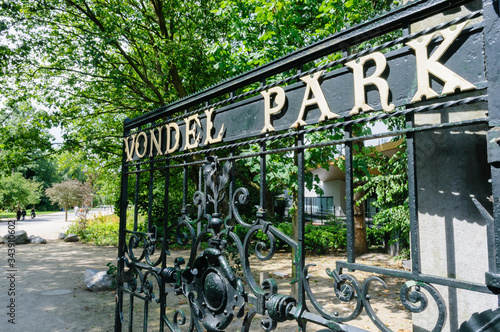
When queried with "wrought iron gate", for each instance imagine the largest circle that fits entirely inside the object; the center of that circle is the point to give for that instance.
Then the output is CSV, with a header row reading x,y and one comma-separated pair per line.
x,y
272,110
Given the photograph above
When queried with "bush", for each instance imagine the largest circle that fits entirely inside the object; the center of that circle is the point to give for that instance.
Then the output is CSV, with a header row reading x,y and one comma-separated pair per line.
x,y
100,230
318,238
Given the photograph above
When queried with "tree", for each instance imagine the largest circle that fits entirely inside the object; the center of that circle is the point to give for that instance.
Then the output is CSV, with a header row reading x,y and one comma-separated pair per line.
x,y
16,191
66,194
96,63
24,137
390,187
92,64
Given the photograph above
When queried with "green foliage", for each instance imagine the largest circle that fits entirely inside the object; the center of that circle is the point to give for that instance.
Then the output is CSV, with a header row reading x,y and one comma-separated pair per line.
x,y
67,194
16,191
100,230
390,187
113,272
24,135
393,224
319,239
261,31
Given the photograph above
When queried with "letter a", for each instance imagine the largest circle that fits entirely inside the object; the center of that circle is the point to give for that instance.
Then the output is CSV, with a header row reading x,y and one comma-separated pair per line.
x,y
430,65
319,98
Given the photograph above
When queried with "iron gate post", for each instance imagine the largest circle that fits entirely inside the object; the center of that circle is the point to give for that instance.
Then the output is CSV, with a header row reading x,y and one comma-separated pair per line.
x,y
492,51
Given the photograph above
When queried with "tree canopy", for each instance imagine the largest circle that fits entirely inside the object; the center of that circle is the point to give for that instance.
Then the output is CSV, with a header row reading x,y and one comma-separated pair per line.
x,y
87,65
18,192
67,194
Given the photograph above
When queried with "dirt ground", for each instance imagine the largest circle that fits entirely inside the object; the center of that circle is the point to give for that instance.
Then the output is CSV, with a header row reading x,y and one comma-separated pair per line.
x,y
50,295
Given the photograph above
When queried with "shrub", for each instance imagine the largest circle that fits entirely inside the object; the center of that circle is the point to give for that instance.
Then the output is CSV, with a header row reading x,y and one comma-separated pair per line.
x,y
100,230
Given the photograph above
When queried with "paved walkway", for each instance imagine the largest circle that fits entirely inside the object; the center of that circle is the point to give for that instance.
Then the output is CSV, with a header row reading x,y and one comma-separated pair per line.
x,y
48,226
43,283
47,290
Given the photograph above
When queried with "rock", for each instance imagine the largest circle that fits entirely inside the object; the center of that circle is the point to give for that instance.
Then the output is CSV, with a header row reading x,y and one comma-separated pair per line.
x,y
2,240
19,237
71,238
97,280
37,240
61,236
406,265
281,274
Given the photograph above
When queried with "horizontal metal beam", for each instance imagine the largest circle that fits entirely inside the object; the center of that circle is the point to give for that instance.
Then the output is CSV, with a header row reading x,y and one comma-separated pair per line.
x,y
472,286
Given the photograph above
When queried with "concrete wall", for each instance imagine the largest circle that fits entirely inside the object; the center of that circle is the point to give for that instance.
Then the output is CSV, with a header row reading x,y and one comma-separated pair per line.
x,y
451,168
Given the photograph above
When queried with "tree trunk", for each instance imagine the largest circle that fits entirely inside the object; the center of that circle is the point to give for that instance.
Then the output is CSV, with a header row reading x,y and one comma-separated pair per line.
x,y
360,241
65,213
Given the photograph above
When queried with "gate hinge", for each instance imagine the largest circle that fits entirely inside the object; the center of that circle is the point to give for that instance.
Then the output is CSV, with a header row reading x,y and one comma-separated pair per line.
x,y
493,138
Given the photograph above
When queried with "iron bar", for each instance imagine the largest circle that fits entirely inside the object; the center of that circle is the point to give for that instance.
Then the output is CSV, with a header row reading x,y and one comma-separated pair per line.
x,y
450,282
300,262
412,195
150,195
131,313
164,245
349,193
121,242
263,182
135,294
136,196
146,315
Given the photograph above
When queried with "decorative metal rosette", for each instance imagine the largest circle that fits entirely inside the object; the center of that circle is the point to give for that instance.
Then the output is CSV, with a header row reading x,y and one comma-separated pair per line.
x,y
213,291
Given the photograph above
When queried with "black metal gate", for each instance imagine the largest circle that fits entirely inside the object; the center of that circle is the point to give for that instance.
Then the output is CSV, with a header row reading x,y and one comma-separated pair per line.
x,y
187,154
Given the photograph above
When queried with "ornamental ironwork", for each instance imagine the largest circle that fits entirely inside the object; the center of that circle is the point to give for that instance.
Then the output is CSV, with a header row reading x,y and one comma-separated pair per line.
x,y
207,205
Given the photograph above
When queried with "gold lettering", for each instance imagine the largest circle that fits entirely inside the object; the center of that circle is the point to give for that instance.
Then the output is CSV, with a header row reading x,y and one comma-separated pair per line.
x,y
137,145
129,149
155,142
430,66
319,99
360,82
210,125
268,109
170,148
191,132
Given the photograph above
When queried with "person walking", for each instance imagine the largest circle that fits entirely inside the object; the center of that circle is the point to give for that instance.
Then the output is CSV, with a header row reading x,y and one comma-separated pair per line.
x,y
32,213
18,214
23,213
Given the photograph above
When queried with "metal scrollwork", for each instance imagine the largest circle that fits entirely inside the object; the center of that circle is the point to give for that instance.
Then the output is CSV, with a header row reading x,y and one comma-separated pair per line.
x,y
346,287
410,298
217,296
208,282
